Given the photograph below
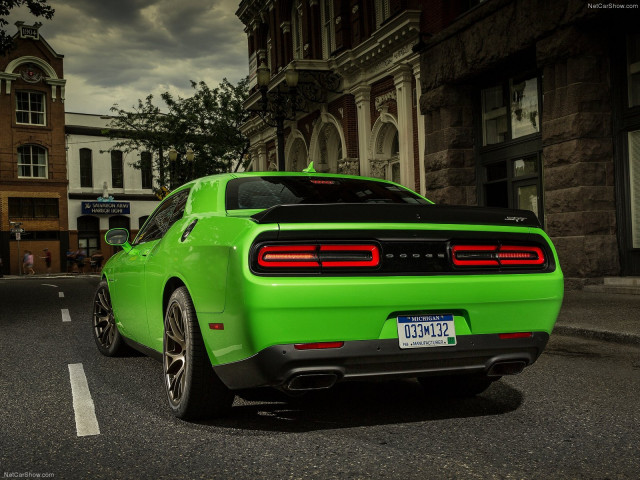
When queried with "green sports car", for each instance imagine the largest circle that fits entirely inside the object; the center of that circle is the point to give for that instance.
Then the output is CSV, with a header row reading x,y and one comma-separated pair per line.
x,y
301,280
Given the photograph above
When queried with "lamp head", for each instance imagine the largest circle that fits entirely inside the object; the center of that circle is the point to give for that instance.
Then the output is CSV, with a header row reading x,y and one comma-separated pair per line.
x,y
291,77
264,75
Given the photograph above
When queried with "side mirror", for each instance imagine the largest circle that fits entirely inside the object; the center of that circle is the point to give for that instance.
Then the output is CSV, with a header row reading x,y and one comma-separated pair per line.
x,y
118,237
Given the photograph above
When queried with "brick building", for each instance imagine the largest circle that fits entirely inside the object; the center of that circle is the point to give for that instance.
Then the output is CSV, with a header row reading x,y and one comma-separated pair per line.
x,y
33,174
55,166
535,104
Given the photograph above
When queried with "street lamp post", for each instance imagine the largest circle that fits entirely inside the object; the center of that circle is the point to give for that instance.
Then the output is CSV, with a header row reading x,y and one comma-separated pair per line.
x,y
173,157
281,106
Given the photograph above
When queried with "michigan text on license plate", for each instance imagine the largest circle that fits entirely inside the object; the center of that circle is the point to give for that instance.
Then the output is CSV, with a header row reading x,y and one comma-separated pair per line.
x,y
418,331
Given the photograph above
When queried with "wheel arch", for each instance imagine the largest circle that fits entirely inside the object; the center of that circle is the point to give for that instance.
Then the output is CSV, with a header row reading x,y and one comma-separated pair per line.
x,y
170,286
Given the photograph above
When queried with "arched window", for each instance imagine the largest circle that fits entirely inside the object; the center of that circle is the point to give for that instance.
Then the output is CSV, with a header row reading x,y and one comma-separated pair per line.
x,y
86,168
296,30
328,28
119,221
32,162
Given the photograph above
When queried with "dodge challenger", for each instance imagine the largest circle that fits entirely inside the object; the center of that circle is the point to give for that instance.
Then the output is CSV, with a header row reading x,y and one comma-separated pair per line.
x,y
301,280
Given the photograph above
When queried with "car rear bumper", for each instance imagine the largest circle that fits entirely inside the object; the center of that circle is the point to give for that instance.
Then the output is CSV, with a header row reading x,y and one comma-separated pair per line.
x,y
285,366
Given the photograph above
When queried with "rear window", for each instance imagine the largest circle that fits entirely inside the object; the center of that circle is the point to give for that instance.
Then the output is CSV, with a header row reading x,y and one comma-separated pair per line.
x,y
266,192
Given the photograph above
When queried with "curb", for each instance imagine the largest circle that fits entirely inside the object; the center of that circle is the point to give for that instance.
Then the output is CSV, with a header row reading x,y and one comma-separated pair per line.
x,y
616,337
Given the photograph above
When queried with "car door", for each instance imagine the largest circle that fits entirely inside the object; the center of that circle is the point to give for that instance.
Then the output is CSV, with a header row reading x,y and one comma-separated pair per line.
x,y
158,268
130,303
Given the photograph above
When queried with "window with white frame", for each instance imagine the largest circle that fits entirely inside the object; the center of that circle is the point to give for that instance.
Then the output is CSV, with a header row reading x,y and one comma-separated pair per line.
x,y
32,162
30,108
383,11
328,28
296,30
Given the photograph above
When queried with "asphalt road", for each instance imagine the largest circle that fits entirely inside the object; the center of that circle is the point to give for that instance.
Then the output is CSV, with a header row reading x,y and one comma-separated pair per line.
x,y
574,414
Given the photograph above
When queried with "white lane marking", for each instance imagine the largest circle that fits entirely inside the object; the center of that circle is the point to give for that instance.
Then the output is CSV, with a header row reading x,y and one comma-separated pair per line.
x,y
85,410
61,294
65,315
49,285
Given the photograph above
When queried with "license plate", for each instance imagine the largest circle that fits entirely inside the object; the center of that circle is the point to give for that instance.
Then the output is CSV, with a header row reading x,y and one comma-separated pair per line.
x,y
419,331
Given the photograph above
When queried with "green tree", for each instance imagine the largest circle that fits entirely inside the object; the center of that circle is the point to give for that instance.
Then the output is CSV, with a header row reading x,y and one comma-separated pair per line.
x,y
208,123
38,8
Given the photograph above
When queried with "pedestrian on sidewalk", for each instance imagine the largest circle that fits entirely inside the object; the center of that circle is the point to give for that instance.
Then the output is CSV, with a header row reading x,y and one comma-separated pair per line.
x,y
47,259
28,263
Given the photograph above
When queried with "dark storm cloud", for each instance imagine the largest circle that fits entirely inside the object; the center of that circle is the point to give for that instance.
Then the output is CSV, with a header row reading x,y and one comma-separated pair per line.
x,y
144,46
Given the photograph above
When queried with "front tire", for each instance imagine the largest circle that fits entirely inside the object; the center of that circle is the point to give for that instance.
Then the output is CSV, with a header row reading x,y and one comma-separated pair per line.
x,y
193,389
105,331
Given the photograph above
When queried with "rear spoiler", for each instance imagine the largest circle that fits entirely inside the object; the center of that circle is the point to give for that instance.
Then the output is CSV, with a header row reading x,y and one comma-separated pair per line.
x,y
395,213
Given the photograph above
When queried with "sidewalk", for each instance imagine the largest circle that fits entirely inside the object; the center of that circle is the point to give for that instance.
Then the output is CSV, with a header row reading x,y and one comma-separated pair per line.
x,y
602,316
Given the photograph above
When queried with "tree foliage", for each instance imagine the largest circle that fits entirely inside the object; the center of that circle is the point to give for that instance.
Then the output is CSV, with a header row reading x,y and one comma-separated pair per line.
x,y
38,8
207,122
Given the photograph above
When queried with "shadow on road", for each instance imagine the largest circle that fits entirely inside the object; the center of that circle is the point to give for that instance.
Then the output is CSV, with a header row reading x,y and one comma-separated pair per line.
x,y
357,404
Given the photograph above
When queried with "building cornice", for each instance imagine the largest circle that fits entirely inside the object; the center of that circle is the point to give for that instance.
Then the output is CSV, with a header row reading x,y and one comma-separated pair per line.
x,y
388,45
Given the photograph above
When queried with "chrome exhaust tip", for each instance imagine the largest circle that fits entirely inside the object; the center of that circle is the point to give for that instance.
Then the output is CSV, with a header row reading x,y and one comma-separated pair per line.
x,y
311,381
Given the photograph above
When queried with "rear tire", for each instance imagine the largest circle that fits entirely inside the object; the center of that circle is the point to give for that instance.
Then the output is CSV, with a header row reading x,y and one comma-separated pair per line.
x,y
105,331
193,389
456,386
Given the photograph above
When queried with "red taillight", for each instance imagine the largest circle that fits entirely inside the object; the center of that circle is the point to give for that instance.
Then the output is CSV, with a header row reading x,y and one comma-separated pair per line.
x,y
316,256
474,255
317,345
508,336
299,256
349,255
517,255
496,255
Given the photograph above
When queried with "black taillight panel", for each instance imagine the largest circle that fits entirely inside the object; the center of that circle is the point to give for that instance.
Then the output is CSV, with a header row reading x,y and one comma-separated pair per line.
x,y
371,253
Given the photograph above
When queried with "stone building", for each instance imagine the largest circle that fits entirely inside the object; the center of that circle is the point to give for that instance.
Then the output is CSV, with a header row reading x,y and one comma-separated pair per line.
x,y
33,174
535,104
358,77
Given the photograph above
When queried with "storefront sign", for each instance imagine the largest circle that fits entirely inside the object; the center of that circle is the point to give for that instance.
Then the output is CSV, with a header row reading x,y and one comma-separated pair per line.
x,y
105,208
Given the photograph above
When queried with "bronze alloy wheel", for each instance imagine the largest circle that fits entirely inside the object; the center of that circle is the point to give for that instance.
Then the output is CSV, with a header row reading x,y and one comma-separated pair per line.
x,y
105,331
193,389
175,353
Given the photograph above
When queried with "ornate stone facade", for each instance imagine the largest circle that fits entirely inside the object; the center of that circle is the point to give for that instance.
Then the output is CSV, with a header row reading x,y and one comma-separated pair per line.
x,y
564,46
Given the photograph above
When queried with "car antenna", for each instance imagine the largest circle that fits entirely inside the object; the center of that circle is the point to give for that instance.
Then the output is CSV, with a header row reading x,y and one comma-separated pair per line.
x,y
309,169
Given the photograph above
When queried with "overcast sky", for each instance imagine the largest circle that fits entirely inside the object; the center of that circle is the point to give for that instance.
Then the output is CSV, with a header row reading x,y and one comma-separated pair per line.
x,y
117,51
